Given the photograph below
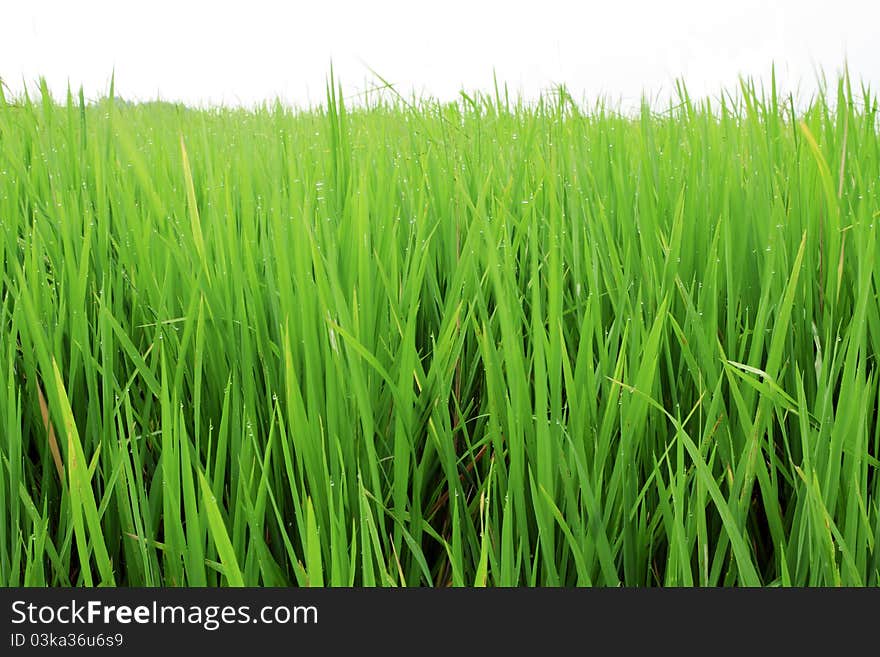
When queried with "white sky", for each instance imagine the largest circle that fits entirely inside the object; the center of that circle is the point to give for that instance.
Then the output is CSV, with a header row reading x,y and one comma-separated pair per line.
x,y
245,52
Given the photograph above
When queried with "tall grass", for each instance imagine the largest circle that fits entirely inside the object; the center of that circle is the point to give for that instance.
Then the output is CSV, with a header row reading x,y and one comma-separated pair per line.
x,y
413,343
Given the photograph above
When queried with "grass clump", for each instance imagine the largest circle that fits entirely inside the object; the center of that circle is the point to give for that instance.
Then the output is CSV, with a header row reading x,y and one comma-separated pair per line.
x,y
475,343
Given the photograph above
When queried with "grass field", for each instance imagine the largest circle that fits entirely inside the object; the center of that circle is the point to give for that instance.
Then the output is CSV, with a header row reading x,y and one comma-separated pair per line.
x,y
413,343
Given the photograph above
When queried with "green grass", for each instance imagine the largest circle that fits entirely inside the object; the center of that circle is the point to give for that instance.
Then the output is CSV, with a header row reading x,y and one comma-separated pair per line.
x,y
413,343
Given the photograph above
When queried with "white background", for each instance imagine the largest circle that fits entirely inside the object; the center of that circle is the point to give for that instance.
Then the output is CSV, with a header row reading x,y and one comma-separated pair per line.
x,y
247,52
